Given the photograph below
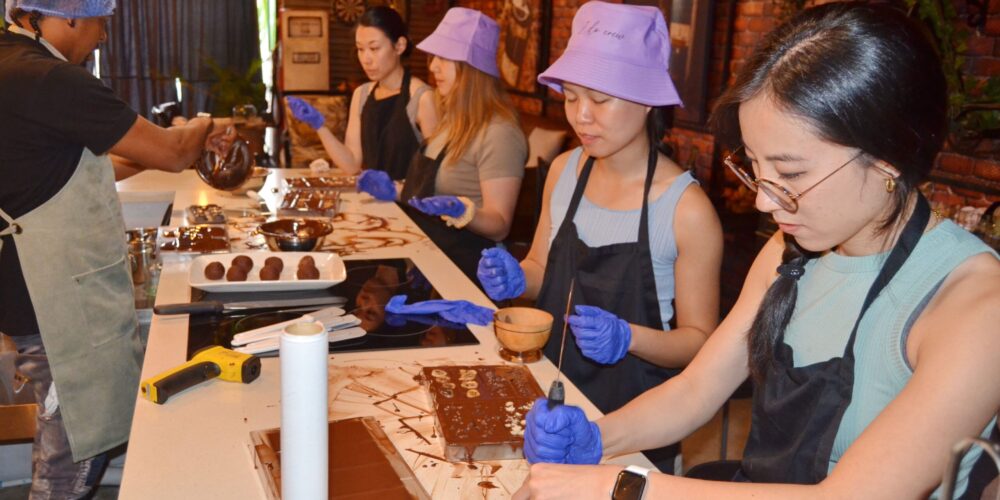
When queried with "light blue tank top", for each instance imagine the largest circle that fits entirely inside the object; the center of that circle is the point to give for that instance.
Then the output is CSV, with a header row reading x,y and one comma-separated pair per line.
x,y
599,226
831,293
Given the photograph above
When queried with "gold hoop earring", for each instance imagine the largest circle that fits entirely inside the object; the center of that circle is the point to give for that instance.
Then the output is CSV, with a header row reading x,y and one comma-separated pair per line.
x,y
890,185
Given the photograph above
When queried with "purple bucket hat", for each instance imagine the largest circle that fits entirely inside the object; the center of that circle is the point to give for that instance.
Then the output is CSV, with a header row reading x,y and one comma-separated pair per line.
x,y
466,35
67,9
620,50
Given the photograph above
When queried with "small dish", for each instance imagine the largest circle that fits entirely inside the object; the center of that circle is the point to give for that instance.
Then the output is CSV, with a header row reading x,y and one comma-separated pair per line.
x,y
330,265
294,235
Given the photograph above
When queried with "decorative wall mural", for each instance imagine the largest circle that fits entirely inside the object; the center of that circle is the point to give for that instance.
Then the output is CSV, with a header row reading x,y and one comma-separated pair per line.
x,y
520,42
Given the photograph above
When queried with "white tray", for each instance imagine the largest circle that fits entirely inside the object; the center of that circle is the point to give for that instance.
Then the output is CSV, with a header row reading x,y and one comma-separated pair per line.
x,y
330,265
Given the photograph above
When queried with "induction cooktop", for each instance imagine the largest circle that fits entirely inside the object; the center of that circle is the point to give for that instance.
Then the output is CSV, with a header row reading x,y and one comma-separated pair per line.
x,y
369,285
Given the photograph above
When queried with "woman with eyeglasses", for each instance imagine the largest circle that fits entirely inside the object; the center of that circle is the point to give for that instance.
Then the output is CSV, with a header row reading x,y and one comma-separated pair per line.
x,y
388,116
870,328
622,227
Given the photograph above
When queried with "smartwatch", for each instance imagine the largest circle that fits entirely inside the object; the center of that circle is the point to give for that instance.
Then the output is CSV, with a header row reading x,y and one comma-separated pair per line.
x,y
631,483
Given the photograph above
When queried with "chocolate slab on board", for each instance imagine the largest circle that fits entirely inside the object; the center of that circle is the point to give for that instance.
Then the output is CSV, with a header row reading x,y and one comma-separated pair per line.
x,y
480,409
363,463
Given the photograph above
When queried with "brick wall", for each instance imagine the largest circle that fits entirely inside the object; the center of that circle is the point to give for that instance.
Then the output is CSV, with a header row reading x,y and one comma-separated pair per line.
x,y
962,178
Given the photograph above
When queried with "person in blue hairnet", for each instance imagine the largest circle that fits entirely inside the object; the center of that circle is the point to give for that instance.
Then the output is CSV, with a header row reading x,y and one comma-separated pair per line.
x,y
66,295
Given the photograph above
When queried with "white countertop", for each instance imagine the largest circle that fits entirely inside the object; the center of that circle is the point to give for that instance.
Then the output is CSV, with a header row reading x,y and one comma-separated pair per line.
x,y
197,445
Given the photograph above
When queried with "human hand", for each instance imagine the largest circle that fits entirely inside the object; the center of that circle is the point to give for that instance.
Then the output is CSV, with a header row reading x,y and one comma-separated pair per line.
x,y
602,336
378,184
570,482
439,205
561,435
305,112
500,274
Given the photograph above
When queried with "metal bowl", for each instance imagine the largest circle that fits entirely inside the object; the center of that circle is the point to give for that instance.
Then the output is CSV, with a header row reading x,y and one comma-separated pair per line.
x,y
229,170
294,235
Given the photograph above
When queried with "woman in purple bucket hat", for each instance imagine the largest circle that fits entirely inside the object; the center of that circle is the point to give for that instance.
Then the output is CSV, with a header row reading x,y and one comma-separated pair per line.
x,y
629,228
462,185
869,326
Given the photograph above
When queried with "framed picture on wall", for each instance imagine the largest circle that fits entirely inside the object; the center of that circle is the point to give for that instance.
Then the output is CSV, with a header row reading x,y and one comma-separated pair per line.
x,y
690,26
523,34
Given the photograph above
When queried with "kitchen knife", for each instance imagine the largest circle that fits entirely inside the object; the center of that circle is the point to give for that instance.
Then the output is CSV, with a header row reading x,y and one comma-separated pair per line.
x,y
215,306
557,393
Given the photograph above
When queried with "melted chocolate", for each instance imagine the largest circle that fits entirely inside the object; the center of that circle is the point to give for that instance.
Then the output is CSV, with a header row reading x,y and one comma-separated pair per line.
x,y
481,405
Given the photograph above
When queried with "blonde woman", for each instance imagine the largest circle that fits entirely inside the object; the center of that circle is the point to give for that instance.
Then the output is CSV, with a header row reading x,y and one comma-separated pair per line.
x,y
462,187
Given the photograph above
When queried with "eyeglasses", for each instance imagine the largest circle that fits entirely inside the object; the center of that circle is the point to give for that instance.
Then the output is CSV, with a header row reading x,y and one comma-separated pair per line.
x,y
784,197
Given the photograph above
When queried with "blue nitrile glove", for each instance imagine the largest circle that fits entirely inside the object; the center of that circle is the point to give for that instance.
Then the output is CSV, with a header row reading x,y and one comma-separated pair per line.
x,y
458,311
439,205
424,319
378,184
562,435
500,274
304,112
602,336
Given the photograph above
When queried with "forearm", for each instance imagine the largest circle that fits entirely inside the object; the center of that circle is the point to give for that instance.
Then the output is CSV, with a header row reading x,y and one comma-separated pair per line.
x,y
340,154
671,349
489,224
533,276
667,486
660,416
188,143
124,168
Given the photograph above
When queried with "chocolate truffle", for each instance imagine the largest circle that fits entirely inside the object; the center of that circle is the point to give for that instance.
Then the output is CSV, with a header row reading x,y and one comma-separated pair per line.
x,y
269,273
275,262
308,273
215,271
307,261
244,262
236,273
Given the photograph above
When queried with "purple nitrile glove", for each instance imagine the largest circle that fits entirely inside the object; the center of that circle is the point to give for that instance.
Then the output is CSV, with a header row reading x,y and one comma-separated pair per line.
x,y
500,274
439,205
562,435
304,112
457,311
378,184
602,336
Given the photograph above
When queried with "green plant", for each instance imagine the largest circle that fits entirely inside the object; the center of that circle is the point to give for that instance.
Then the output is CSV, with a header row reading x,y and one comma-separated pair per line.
x,y
233,88
973,104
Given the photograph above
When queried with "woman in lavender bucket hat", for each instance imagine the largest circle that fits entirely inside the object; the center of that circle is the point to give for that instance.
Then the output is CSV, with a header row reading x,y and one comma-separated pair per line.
x,y
633,231
461,187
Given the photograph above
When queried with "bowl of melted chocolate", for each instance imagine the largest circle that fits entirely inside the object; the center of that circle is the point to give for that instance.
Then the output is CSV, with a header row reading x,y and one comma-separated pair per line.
x,y
294,235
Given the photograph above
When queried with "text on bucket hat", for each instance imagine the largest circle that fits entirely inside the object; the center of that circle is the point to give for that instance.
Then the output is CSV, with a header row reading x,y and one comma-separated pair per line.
x,y
466,35
69,9
620,50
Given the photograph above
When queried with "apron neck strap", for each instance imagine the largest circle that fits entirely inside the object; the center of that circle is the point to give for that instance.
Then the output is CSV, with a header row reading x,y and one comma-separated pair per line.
x,y
581,186
904,246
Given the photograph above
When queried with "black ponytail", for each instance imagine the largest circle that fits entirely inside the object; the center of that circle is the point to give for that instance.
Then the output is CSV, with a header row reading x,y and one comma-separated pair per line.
x,y
776,309
658,121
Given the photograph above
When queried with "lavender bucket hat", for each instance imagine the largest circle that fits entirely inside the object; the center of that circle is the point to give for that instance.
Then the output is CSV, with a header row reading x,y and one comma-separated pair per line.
x,y
466,35
67,9
620,50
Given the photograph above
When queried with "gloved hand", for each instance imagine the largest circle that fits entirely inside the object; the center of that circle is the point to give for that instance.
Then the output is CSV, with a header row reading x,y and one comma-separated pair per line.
x,y
378,184
304,112
500,274
439,205
602,336
457,311
562,435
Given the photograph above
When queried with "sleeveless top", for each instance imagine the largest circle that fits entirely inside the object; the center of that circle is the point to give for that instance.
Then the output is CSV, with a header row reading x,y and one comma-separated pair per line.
x,y
831,293
411,107
598,226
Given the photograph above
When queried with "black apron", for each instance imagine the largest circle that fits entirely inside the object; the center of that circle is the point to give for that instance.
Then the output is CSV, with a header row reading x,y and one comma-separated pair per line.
x,y
617,278
797,410
388,141
462,246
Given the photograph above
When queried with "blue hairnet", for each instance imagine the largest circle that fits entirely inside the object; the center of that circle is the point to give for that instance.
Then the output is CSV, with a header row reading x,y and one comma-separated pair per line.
x,y
69,9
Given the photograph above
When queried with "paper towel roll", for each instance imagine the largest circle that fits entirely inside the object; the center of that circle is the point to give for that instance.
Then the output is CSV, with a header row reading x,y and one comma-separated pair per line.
x,y
304,453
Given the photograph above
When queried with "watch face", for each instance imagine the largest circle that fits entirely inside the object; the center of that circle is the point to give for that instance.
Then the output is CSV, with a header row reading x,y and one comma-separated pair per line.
x,y
629,486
